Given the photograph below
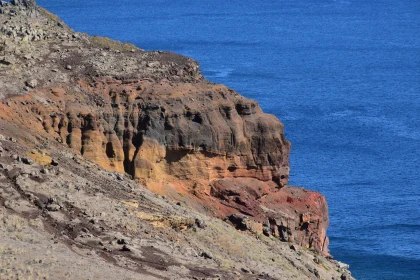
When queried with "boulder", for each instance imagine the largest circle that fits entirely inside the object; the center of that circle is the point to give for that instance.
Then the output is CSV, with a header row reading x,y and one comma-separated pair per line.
x,y
32,83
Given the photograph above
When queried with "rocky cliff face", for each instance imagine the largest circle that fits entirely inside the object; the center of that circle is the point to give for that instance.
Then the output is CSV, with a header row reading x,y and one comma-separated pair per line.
x,y
150,129
152,115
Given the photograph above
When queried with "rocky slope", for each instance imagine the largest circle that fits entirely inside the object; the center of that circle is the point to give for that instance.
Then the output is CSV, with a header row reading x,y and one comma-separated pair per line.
x,y
89,124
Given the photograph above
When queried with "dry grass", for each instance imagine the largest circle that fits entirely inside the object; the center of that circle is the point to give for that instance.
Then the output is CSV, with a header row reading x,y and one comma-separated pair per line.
x,y
39,157
231,247
105,42
11,223
50,16
131,203
160,221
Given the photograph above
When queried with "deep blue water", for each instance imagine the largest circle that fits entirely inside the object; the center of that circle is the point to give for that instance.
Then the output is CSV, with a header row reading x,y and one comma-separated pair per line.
x,y
344,78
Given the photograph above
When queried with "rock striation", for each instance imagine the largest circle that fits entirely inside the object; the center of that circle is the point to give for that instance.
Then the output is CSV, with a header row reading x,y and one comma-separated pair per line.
x,y
155,118
194,131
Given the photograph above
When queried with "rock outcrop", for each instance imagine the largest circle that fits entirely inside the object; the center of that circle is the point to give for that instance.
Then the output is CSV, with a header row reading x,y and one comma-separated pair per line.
x,y
196,132
153,116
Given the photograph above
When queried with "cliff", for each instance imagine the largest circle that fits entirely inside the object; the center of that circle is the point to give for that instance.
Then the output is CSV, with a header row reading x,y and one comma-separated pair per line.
x,y
153,117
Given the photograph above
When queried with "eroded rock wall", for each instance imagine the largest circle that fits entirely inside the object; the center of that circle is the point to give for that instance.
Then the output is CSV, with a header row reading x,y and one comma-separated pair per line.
x,y
203,140
191,131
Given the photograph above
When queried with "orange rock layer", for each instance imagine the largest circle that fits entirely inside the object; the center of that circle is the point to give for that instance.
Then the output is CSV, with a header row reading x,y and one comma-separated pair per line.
x,y
197,142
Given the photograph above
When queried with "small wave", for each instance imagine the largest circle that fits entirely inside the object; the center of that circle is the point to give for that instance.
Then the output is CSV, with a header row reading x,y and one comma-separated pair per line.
x,y
359,183
218,72
222,43
344,113
395,127
400,226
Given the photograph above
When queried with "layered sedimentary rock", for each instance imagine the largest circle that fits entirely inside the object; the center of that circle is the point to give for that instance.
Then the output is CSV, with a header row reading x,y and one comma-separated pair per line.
x,y
195,131
153,116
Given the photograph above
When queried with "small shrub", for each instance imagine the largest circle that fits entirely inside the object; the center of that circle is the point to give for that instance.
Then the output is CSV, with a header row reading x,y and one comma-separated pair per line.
x,y
50,16
105,42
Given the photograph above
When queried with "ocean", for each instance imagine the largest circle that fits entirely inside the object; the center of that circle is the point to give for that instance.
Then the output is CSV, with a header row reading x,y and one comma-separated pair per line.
x,y
344,78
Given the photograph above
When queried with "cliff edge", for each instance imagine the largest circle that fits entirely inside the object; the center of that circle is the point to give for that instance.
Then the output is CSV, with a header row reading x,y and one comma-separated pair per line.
x,y
150,119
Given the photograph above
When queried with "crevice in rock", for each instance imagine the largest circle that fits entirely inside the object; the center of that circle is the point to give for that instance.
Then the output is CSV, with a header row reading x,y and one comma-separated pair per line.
x,y
110,150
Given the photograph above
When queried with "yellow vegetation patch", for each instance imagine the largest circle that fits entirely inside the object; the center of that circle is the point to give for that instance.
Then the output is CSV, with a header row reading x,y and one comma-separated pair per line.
x,y
158,220
105,42
158,224
131,203
39,157
155,220
149,217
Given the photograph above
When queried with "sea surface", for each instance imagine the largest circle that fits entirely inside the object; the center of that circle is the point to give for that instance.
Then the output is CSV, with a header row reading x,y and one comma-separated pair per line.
x,y
344,78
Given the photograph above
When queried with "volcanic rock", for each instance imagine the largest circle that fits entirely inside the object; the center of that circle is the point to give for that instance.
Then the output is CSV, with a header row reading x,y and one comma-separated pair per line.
x,y
170,129
156,122
32,83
